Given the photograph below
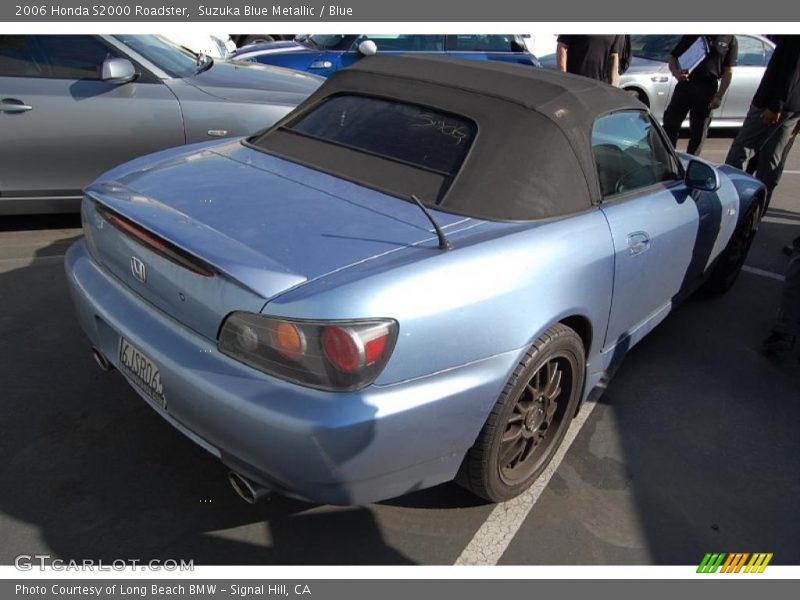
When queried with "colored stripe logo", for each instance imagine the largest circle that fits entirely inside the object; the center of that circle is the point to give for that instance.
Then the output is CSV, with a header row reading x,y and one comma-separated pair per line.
x,y
736,562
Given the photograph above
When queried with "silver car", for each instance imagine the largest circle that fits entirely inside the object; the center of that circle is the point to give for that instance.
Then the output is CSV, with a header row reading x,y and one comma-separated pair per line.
x,y
650,80
73,106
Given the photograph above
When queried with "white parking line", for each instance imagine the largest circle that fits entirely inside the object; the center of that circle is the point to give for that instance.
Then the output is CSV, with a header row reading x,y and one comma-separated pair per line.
x,y
791,172
763,273
491,540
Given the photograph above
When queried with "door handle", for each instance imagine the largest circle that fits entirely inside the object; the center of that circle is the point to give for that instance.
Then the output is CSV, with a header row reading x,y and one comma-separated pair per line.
x,y
12,105
638,242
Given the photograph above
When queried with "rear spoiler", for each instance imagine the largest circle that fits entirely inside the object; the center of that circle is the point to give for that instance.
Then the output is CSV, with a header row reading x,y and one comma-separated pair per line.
x,y
189,240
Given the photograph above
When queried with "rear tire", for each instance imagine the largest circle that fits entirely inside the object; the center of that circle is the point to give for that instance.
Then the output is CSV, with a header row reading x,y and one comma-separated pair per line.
x,y
725,272
529,419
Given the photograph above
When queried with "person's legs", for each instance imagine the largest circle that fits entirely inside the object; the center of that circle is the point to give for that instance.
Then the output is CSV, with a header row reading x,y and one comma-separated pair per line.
x,y
772,153
750,137
752,163
700,115
786,151
677,110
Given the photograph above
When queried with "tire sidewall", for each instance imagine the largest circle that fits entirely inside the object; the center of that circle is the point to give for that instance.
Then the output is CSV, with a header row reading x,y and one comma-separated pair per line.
x,y
567,345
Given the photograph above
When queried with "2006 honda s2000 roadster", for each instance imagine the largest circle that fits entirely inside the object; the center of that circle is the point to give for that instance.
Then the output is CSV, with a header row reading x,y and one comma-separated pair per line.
x,y
416,276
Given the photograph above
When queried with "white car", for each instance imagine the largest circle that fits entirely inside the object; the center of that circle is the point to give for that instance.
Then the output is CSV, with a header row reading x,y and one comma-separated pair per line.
x,y
649,79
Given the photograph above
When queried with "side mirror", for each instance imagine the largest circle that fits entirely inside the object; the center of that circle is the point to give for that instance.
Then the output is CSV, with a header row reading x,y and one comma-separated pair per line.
x,y
702,176
367,48
118,70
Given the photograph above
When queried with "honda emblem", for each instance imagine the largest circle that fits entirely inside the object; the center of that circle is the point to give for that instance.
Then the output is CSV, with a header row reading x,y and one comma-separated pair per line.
x,y
138,269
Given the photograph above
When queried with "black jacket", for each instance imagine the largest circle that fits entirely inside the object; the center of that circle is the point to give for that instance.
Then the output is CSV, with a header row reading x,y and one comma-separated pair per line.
x,y
779,90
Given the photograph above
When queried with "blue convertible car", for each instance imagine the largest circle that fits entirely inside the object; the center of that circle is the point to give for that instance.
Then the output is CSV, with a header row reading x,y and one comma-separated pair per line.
x,y
416,276
326,54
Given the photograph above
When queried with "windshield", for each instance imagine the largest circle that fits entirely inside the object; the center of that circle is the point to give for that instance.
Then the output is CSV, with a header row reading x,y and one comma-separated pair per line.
x,y
176,61
653,47
324,42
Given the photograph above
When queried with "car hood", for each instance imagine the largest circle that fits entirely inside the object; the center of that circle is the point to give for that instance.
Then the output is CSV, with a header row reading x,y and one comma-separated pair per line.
x,y
267,223
253,82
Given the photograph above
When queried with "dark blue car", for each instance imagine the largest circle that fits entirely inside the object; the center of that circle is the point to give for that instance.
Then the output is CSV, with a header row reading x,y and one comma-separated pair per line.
x,y
326,54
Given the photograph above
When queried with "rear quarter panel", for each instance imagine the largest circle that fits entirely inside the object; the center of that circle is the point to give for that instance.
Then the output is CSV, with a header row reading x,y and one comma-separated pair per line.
x,y
497,291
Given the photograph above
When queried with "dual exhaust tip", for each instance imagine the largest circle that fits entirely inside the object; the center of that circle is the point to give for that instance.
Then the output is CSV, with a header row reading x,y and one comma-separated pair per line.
x,y
248,490
101,360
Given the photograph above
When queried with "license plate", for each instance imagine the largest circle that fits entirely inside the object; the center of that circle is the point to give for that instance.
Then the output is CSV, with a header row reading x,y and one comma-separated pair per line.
x,y
142,371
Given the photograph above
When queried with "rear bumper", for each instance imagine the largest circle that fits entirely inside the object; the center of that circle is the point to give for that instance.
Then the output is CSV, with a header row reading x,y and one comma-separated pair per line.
x,y
339,448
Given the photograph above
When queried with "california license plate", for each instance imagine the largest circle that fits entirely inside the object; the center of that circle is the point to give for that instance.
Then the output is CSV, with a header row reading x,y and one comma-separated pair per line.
x,y
142,371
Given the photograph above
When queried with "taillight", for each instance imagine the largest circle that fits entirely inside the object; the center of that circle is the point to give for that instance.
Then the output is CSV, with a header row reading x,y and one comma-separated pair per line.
x,y
350,350
341,349
288,340
331,355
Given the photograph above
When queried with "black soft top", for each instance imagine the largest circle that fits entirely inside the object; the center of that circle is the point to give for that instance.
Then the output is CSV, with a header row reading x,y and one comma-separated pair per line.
x,y
530,159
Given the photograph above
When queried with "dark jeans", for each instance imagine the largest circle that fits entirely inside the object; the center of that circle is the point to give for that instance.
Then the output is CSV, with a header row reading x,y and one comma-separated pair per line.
x,y
771,142
692,98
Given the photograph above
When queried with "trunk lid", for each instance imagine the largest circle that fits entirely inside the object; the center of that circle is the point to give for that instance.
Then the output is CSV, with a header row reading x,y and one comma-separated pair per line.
x,y
262,224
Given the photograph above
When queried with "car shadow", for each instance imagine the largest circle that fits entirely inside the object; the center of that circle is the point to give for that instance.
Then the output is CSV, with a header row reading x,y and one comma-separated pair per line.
x,y
693,447
707,427
445,496
39,222
89,470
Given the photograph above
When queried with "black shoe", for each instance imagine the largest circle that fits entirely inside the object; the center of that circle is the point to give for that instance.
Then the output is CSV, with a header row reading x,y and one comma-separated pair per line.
x,y
778,343
793,247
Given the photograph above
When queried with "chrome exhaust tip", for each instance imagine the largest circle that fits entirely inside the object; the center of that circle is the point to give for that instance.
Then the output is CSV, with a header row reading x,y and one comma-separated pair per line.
x,y
249,491
101,360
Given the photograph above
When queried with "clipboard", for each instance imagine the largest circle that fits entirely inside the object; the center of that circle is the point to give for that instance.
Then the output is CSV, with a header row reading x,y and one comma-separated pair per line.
x,y
694,54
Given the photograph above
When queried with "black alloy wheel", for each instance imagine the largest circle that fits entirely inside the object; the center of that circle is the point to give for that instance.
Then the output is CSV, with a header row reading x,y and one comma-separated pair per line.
x,y
536,415
529,419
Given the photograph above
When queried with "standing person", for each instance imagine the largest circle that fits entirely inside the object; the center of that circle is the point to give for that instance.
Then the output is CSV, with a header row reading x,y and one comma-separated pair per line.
x,y
773,116
595,56
701,91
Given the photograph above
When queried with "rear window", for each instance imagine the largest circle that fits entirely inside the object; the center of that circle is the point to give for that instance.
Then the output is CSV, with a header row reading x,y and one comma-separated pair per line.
x,y
407,133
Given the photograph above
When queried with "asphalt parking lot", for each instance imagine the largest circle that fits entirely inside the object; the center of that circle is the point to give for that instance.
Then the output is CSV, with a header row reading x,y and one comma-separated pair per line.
x,y
693,448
